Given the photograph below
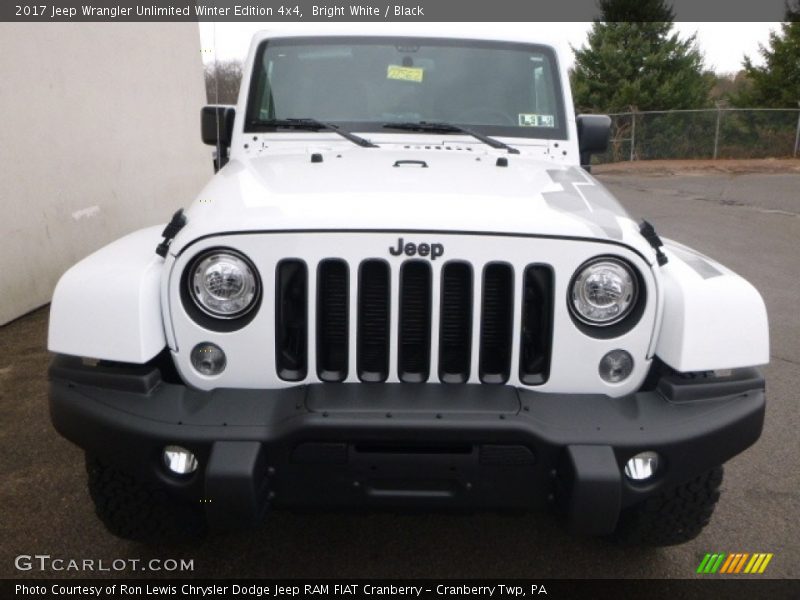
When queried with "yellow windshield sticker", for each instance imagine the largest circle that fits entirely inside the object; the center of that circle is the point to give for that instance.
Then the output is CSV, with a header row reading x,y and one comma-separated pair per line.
x,y
405,73
535,120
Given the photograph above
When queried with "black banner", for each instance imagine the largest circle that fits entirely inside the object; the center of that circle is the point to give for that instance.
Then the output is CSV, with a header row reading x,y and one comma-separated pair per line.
x,y
277,11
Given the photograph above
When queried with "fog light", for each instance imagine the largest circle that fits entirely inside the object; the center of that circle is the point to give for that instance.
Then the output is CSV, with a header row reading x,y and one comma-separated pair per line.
x,y
641,467
208,359
616,366
179,460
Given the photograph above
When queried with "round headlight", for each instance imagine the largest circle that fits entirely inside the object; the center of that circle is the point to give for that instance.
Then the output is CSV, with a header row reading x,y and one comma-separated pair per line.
x,y
223,284
603,292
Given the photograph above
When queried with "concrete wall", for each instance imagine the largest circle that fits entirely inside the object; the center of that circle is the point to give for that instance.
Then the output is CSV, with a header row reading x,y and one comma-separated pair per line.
x,y
100,136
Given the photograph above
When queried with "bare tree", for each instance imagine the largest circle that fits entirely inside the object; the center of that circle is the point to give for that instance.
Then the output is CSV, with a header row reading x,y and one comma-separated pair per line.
x,y
222,81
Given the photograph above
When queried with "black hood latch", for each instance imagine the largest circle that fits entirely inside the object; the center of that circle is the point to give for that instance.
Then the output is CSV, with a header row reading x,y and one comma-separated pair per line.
x,y
175,224
649,233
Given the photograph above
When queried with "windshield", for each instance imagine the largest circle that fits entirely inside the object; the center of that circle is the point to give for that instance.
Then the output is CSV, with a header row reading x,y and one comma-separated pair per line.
x,y
362,84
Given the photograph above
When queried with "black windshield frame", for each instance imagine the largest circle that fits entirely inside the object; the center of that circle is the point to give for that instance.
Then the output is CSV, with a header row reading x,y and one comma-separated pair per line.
x,y
559,132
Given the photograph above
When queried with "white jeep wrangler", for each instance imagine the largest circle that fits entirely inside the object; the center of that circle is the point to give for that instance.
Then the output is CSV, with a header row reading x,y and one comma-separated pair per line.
x,y
402,290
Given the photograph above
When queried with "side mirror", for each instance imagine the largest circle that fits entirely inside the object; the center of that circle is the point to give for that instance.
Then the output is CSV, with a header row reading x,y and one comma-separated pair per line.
x,y
594,132
216,129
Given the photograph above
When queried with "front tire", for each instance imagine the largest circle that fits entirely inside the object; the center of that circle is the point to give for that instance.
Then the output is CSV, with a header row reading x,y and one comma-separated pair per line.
x,y
141,512
672,517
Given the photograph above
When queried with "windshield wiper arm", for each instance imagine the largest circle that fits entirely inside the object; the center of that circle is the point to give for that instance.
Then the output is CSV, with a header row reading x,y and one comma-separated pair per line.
x,y
311,125
439,127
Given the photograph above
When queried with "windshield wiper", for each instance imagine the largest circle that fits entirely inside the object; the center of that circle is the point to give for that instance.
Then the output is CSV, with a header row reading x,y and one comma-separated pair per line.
x,y
310,125
439,127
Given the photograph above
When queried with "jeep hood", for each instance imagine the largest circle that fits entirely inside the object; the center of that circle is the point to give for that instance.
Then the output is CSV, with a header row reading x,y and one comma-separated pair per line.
x,y
407,189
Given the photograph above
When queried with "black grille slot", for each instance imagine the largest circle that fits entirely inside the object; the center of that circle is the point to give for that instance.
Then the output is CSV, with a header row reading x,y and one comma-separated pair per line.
x,y
455,323
291,319
332,322
414,328
537,325
373,321
496,323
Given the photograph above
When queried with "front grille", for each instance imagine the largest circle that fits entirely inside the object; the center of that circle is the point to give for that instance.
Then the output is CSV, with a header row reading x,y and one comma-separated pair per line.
x,y
291,319
373,320
332,320
496,323
455,319
537,325
414,335
404,316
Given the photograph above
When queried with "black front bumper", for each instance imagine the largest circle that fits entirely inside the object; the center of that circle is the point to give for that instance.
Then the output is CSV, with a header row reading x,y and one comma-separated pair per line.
x,y
406,445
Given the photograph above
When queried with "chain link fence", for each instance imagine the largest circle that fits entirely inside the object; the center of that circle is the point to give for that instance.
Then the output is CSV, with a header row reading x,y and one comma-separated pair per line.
x,y
703,134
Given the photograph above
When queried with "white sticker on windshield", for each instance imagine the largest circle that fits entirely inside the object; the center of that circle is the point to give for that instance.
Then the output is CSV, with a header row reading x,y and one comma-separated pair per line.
x,y
535,120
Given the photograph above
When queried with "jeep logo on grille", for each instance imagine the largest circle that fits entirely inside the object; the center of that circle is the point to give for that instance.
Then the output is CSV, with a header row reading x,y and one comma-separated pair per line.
x,y
411,249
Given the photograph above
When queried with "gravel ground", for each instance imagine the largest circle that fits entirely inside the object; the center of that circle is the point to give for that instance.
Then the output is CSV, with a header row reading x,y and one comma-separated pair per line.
x,y
749,221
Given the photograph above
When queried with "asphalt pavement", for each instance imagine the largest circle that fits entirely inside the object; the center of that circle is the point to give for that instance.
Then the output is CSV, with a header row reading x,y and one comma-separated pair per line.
x,y
749,222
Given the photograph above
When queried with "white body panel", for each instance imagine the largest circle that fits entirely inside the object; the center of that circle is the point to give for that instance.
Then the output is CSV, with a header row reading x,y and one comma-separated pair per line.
x,y
271,202
713,319
108,305
251,350
357,188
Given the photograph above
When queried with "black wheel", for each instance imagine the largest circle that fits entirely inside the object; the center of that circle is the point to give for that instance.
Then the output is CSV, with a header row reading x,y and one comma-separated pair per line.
x,y
671,517
141,512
